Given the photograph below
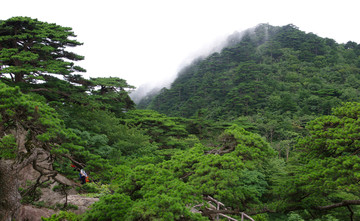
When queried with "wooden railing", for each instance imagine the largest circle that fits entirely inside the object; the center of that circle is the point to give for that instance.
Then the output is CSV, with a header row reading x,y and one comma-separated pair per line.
x,y
216,205
246,216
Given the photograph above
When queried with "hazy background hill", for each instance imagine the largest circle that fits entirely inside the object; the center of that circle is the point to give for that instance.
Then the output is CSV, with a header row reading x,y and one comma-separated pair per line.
x,y
265,69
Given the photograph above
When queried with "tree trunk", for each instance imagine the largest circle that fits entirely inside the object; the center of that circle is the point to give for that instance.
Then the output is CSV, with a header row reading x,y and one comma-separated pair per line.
x,y
19,77
9,185
10,196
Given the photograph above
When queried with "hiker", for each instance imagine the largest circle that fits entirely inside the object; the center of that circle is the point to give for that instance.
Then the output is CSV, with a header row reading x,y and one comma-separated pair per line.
x,y
83,176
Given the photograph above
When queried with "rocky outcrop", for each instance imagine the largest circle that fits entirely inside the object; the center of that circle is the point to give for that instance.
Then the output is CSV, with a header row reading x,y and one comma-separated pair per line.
x,y
53,198
10,181
31,213
81,202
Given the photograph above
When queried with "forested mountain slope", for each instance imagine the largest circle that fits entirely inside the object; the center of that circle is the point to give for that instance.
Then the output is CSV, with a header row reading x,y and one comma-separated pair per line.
x,y
269,69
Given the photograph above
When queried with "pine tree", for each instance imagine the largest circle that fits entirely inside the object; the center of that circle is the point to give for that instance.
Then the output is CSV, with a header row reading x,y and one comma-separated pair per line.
x,y
30,48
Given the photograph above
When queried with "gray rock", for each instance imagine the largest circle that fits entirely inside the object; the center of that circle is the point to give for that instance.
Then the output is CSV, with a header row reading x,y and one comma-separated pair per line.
x,y
31,213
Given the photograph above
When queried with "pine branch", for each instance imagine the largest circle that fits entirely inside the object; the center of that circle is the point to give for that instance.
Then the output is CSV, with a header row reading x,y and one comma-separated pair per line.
x,y
341,204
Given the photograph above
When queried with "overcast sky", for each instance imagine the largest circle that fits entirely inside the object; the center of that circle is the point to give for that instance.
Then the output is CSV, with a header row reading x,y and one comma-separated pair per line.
x,y
147,41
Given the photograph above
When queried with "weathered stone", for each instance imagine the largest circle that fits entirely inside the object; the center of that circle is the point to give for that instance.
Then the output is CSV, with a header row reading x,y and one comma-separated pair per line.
x,y
27,174
65,180
30,213
81,202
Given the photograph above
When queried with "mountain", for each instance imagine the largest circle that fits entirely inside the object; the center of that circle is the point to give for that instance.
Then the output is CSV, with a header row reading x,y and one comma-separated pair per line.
x,y
266,69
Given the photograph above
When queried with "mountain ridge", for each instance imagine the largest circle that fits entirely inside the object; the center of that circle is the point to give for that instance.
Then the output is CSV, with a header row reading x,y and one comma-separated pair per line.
x,y
247,75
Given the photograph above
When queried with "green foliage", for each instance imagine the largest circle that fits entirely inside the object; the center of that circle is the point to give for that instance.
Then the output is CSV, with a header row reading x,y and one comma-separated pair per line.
x,y
326,171
95,189
112,93
294,217
111,207
165,131
269,73
29,48
153,193
8,147
332,145
249,145
69,206
33,196
62,216
167,190
17,109
96,166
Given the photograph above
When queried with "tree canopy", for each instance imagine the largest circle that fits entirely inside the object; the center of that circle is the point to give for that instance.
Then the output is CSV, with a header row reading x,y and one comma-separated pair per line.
x,y
30,48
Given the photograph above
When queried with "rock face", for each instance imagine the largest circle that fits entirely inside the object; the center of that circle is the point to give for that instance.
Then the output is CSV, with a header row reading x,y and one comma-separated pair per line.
x,y
30,213
10,197
15,174
82,202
